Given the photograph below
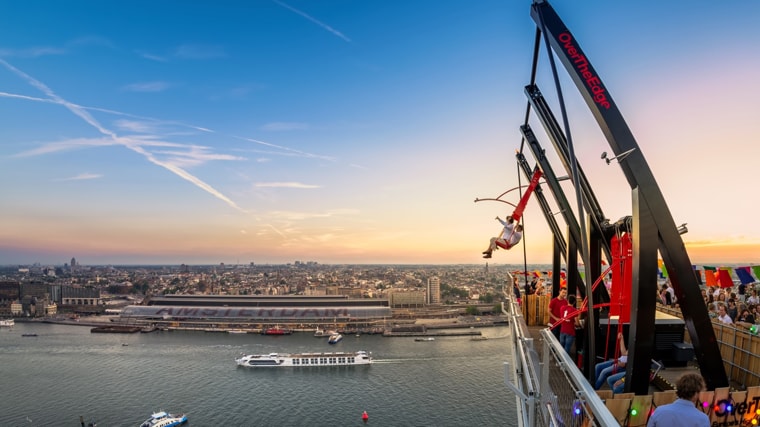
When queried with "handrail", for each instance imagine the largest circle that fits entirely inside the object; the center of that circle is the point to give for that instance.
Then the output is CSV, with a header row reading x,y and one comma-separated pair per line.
x,y
533,392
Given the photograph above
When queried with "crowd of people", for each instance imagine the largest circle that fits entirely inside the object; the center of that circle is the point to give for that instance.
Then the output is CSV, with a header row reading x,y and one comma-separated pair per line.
x,y
737,305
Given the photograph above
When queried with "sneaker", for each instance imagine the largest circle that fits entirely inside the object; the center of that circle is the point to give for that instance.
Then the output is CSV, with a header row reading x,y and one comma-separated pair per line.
x,y
487,256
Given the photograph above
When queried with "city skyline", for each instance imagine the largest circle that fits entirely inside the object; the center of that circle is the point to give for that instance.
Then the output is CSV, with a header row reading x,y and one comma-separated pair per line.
x,y
351,132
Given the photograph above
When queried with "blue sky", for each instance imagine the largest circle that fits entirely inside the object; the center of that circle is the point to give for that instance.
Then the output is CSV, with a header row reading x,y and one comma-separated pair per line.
x,y
350,131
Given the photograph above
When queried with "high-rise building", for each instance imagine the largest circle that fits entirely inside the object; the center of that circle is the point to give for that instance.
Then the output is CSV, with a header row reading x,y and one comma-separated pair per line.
x,y
434,290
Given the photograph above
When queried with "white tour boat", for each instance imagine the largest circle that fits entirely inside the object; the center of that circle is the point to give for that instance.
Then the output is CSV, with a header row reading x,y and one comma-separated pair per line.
x,y
305,359
7,323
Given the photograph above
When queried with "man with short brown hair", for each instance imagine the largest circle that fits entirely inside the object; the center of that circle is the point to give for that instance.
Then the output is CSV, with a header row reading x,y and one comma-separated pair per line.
x,y
683,412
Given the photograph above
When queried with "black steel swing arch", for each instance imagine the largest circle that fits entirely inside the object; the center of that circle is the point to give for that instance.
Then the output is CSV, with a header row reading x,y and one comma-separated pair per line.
x,y
653,225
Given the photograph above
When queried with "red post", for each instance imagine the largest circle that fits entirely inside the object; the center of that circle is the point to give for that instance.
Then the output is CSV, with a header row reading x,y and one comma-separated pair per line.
x,y
622,276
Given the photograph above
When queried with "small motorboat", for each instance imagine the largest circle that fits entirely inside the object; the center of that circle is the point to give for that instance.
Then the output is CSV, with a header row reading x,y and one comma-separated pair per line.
x,y
334,338
164,419
424,339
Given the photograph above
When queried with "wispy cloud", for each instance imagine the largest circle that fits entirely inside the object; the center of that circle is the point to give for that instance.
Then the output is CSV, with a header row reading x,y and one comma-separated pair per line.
x,y
126,142
243,90
38,51
147,87
67,145
285,185
292,151
90,41
138,126
314,20
152,56
199,51
196,155
32,52
284,126
81,177
105,110
134,127
299,216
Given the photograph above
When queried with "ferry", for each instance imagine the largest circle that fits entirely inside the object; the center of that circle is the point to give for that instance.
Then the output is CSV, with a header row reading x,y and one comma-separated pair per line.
x,y
276,331
305,359
164,419
7,323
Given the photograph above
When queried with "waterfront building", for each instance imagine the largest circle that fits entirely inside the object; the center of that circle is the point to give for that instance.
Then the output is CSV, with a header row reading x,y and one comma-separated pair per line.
x,y
406,299
221,310
16,308
10,290
71,295
434,290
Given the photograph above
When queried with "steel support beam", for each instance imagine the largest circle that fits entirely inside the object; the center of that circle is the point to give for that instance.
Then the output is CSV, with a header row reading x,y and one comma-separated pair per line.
x,y
557,137
644,288
574,233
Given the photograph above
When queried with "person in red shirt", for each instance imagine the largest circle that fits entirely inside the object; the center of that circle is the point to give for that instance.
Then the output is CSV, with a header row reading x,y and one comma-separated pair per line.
x,y
569,323
556,309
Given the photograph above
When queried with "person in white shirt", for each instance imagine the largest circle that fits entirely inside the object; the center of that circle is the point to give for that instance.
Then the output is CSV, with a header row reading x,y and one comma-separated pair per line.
x,y
510,236
753,299
723,314
672,293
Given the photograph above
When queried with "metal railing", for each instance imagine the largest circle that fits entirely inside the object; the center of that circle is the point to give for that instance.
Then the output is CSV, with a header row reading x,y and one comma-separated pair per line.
x,y
550,390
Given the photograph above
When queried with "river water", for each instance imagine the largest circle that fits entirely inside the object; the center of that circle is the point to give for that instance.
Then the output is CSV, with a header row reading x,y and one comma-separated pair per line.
x,y
119,379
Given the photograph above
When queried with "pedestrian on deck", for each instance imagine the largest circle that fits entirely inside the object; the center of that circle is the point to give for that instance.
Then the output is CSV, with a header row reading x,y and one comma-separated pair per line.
x,y
556,309
569,323
516,290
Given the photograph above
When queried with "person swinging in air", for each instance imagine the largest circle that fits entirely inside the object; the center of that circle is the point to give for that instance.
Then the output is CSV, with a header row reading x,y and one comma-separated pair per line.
x,y
512,232
510,236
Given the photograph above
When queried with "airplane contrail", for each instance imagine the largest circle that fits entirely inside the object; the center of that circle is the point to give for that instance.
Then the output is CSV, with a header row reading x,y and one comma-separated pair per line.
x,y
314,20
126,142
160,121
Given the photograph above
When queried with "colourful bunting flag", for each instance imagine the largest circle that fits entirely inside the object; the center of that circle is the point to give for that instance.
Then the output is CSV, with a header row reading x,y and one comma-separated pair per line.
x,y
710,279
724,278
744,275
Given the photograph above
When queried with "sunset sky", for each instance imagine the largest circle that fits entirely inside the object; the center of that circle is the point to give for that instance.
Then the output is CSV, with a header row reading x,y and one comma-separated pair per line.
x,y
341,131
